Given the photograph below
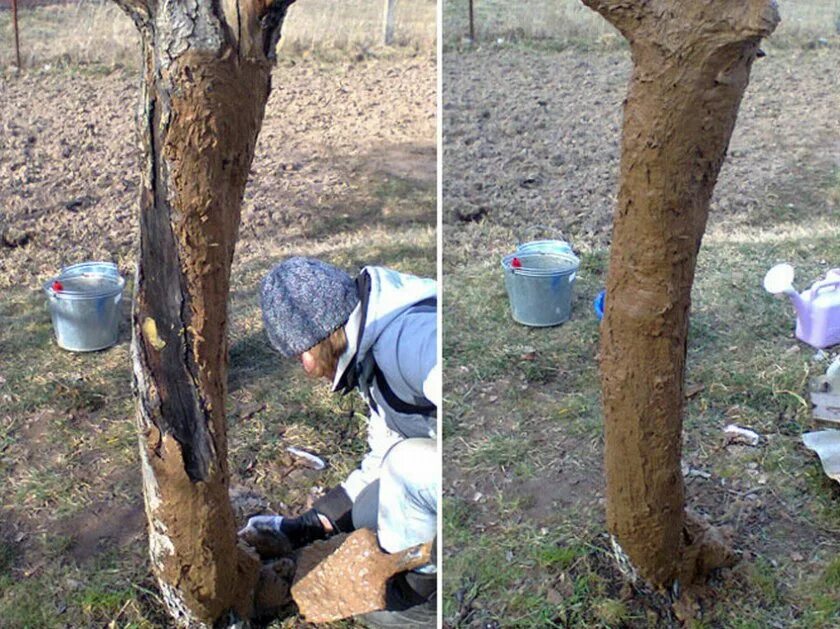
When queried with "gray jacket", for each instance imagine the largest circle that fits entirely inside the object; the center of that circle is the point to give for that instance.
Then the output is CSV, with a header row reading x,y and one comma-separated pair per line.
x,y
391,358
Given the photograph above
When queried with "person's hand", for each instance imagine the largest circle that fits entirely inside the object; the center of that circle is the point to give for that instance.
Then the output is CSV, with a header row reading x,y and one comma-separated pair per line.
x,y
269,524
264,534
299,531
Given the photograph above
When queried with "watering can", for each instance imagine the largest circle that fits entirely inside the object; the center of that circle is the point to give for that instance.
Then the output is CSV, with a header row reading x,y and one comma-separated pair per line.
x,y
817,309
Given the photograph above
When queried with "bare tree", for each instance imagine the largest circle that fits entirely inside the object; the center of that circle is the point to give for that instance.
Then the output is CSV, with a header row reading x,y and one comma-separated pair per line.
x,y
691,66
206,80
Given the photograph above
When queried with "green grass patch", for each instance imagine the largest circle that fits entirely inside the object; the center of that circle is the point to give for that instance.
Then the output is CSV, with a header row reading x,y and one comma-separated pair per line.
x,y
68,441
559,557
753,372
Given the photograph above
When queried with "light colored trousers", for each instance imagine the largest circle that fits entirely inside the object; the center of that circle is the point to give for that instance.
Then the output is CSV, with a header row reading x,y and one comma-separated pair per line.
x,y
401,506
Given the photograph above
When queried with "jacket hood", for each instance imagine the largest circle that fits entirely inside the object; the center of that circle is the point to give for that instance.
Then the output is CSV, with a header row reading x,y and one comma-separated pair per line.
x,y
391,294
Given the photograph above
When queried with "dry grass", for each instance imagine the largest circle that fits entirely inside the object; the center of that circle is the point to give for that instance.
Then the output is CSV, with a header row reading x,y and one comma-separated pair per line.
x,y
562,21
97,32
570,22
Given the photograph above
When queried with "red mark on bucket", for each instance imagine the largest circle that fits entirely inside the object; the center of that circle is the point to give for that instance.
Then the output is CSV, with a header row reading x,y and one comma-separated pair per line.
x,y
57,286
516,263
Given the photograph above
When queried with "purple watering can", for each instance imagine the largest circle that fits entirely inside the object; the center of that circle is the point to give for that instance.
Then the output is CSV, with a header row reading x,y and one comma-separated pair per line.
x,y
817,309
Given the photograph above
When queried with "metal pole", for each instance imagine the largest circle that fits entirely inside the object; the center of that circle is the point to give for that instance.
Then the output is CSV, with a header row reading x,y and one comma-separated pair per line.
x,y
17,39
472,23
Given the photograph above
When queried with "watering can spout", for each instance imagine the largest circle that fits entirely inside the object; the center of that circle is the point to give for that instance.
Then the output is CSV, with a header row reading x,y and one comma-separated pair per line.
x,y
778,281
799,304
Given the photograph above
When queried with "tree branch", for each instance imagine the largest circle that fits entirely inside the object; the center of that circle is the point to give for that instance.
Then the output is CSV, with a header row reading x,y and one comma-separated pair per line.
x,y
676,25
272,23
137,10
254,26
622,14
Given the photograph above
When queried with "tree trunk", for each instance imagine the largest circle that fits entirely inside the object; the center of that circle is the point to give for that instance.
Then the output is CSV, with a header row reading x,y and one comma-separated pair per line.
x,y
691,65
206,80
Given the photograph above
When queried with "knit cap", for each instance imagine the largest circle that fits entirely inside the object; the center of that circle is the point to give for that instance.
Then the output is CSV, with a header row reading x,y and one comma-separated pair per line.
x,y
303,301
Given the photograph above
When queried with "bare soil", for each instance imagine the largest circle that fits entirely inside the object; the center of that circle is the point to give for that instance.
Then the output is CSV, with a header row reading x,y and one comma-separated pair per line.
x,y
531,143
69,159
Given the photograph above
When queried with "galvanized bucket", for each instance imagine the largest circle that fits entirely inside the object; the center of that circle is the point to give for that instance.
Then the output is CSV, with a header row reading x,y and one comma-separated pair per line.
x,y
84,302
545,246
539,286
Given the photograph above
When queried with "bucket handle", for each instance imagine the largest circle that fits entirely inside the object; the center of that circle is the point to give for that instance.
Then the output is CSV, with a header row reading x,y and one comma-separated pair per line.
x,y
534,228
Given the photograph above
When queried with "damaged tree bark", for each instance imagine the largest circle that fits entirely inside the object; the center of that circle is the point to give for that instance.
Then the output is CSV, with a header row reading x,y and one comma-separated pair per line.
x,y
691,65
206,80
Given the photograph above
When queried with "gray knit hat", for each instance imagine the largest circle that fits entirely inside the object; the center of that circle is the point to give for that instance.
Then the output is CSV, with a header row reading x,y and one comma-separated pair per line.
x,y
304,301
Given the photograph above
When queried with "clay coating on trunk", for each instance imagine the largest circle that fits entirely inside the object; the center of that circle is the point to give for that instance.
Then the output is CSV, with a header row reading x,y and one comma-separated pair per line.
x,y
691,66
202,103
208,567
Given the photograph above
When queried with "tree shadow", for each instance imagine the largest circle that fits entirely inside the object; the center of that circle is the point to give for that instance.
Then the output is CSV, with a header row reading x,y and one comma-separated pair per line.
x,y
252,356
391,188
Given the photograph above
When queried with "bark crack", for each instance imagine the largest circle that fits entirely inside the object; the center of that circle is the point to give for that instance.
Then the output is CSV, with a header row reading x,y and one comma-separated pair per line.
x,y
272,24
238,30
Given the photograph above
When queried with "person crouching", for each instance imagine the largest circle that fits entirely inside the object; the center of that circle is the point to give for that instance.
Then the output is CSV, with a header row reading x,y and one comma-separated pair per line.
x,y
377,335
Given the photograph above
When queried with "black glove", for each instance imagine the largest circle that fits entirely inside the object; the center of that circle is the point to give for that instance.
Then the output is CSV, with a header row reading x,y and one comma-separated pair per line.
x,y
300,531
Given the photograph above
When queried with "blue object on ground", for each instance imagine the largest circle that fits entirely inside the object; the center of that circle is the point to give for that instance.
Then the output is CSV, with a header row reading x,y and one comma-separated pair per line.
x,y
599,304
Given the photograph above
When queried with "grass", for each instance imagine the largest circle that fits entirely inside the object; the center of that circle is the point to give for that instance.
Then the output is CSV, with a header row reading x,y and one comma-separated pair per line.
x,y
96,36
70,445
558,24
73,549
524,425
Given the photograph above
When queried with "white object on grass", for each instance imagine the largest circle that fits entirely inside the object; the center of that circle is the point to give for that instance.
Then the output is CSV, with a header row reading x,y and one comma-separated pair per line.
x,y
826,443
315,461
736,434
779,280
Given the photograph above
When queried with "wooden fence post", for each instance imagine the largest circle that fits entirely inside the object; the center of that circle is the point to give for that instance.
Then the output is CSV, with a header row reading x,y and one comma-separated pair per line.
x,y
388,25
17,37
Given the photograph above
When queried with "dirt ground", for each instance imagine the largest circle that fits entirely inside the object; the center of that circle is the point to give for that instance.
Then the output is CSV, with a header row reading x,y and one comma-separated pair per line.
x,y
345,170
71,164
549,157
531,149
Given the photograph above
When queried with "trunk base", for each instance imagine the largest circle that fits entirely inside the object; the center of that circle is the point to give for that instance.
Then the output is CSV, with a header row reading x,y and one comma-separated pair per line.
x,y
272,594
706,549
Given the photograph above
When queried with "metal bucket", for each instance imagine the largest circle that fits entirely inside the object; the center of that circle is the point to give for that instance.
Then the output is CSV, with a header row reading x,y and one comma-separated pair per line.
x,y
545,246
540,290
84,305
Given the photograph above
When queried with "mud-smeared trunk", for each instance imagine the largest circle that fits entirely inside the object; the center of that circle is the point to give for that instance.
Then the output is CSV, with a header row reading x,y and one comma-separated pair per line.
x,y
206,81
691,65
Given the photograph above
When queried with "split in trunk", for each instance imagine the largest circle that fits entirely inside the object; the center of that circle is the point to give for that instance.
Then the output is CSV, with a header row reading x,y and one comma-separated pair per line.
x,y
691,65
206,80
